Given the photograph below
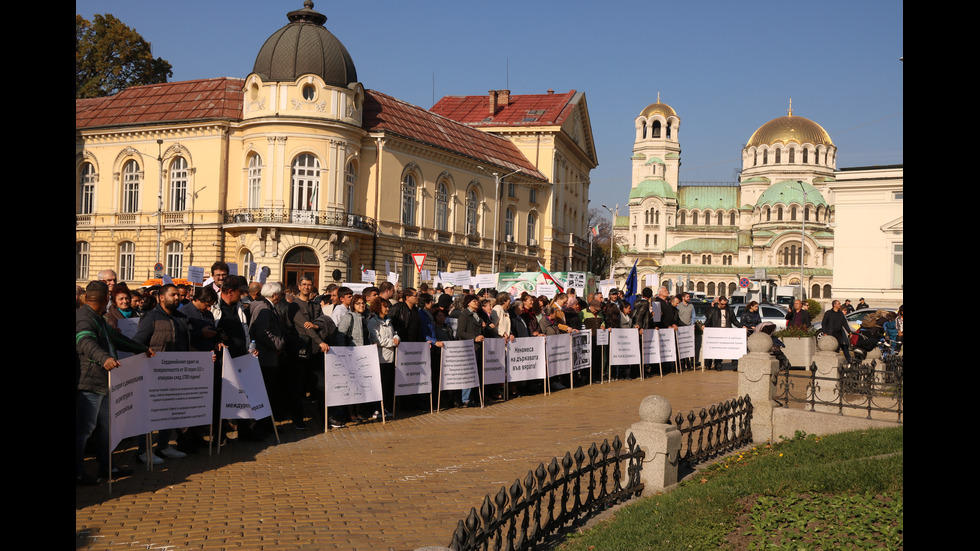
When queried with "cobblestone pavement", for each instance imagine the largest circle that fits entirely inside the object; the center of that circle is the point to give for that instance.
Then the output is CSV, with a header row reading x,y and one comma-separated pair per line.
x,y
399,485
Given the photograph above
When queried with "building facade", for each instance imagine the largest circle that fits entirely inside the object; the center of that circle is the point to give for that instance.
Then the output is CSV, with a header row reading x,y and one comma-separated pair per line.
x,y
708,236
301,170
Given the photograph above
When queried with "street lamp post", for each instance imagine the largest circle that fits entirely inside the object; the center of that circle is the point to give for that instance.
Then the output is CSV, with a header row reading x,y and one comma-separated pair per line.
x,y
496,213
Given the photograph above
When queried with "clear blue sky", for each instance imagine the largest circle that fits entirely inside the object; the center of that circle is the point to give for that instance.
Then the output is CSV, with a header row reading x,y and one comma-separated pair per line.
x,y
725,67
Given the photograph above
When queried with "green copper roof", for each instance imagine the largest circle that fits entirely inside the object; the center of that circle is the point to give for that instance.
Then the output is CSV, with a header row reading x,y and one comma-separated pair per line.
x,y
654,187
705,245
707,197
639,156
652,160
621,222
788,192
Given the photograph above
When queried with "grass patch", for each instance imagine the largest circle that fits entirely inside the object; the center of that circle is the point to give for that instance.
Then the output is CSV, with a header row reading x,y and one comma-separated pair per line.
x,y
842,491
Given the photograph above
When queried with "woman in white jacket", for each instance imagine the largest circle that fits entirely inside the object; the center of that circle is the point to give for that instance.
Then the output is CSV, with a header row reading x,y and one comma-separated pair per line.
x,y
382,333
499,316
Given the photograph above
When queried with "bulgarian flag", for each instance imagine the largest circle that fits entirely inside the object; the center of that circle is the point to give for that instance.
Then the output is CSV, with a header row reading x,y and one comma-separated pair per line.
x,y
551,278
595,231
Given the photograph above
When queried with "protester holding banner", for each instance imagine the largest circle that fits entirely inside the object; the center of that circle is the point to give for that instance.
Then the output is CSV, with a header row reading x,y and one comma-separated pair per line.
x,y
382,333
471,327
720,316
96,345
499,316
233,335
265,329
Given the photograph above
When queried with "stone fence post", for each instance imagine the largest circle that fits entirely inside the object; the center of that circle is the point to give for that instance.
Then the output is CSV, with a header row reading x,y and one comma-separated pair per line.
x,y
828,362
755,371
661,442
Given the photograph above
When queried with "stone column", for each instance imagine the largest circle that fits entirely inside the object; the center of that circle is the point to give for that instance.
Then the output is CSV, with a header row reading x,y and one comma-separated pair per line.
x,y
828,363
755,371
661,442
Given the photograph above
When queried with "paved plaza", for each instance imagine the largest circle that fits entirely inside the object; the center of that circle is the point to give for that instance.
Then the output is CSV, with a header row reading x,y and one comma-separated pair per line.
x,y
399,485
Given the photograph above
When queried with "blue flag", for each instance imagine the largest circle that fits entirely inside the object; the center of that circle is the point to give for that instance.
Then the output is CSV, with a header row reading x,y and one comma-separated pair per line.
x,y
630,295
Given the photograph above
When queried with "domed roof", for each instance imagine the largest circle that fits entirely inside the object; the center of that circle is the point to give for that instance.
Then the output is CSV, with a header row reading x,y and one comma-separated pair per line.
x,y
652,187
658,108
790,128
789,191
305,46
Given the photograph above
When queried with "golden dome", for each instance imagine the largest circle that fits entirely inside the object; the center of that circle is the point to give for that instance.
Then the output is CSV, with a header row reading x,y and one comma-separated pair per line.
x,y
661,108
790,128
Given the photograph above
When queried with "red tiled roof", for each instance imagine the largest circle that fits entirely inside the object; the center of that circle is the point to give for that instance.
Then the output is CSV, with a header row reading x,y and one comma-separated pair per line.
x,y
213,98
387,114
523,110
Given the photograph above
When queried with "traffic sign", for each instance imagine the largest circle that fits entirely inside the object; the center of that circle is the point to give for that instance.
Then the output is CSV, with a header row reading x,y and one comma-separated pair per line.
x,y
743,283
418,259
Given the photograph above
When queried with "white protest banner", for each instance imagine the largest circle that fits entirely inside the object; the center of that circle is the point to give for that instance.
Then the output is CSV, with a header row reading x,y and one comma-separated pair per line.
x,y
668,345
494,361
369,276
252,267
651,346
413,368
387,267
602,337
606,285
179,387
243,394
655,311
459,369
559,354
128,392
463,278
526,359
232,268
358,288
624,347
426,275
581,350
167,280
352,375
195,274
547,289
685,341
485,281
723,343
448,279
653,281
393,278
128,326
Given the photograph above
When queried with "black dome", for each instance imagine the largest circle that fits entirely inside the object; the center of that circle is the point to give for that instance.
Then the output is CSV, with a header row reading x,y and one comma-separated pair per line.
x,y
305,46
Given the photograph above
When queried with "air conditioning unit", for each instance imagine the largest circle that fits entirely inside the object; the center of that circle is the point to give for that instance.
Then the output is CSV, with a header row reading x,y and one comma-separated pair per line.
x,y
510,238
532,242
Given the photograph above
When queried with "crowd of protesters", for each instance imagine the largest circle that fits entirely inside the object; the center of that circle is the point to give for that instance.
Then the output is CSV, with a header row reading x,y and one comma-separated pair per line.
x,y
290,328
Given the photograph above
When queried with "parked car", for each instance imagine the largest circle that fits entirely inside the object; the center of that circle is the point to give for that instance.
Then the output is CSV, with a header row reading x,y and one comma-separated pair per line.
x,y
855,318
769,312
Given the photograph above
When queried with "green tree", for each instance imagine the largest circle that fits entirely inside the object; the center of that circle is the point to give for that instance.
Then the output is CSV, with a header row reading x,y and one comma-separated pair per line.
x,y
109,56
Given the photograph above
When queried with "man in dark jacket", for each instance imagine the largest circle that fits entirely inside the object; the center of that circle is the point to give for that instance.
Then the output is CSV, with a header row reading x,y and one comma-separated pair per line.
x,y
835,324
799,316
96,345
720,316
641,310
265,329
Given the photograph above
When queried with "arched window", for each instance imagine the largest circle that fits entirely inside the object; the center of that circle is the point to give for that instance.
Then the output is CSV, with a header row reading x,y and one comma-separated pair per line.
x,y
442,207
720,219
656,129
305,188
350,180
768,214
682,218
254,182
792,155
175,259
779,214
654,240
731,218
532,234
86,190
409,188
178,185
792,214
777,155
657,217
826,291
471,212
805,156
815,291
509,225
668,129
131,187
755,158
127,261
806,213
707,218
246,264
81,260
700,287
647,243
644,134
694,218
646,217
765,156
711,288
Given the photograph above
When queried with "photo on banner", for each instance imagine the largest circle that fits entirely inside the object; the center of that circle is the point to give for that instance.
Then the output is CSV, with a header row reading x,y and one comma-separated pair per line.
x,y
352,375
581,350
413,369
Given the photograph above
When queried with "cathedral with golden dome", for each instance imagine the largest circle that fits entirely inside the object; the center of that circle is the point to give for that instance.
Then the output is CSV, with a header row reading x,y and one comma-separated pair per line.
x,y
707,237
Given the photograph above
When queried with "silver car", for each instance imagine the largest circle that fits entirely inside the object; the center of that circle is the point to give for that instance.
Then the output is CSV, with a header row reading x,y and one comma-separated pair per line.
x,y
768,312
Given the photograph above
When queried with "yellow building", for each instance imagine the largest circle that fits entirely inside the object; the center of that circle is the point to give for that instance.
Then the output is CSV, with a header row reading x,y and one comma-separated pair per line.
x,y
300,169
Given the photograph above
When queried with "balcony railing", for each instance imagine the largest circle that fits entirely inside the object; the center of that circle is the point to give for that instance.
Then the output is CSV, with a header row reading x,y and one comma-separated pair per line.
x,y
283,216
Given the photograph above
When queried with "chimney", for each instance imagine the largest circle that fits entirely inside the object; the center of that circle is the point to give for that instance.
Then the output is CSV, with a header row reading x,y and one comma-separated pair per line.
x,y
493,102
498,98
504,97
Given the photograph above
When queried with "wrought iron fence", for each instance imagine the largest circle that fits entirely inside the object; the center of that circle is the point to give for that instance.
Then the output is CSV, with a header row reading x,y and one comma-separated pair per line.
x,y
525,515
329,217
867,387
715,430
